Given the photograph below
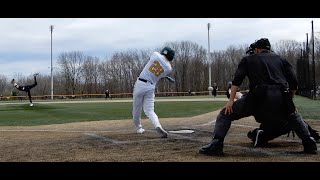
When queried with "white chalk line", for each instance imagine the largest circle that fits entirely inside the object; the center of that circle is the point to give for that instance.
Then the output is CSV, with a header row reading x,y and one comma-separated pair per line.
x,y
232,124
55,130
103,138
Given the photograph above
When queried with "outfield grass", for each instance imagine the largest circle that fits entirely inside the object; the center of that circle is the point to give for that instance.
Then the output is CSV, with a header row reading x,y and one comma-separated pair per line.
x,y
40,114
308,108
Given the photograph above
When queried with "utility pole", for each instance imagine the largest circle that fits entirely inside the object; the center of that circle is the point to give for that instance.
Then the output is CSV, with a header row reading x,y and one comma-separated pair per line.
x,y
51,29
313,65
210,88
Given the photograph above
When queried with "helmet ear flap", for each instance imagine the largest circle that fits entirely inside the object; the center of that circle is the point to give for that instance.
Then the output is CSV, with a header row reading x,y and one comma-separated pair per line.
x,y
169,57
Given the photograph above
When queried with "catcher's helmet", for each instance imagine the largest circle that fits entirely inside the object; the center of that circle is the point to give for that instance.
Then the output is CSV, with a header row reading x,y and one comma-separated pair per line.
x,y
263,43
251,48
168,52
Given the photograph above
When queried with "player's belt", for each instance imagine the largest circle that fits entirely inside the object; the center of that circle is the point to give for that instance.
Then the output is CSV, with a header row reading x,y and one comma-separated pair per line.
x,y
265,86
143,80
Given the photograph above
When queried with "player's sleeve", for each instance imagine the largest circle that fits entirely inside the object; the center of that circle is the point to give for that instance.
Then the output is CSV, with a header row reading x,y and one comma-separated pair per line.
x,y
240,73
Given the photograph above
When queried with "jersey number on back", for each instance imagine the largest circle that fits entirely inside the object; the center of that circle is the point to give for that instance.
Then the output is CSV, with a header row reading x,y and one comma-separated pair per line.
x,y
156,68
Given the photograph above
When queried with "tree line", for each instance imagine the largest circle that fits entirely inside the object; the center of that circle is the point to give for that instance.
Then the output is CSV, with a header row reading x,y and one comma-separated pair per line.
x,y
78,73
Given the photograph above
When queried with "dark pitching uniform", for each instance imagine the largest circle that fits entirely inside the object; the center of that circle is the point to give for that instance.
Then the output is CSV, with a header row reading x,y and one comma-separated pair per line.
x,y
27,88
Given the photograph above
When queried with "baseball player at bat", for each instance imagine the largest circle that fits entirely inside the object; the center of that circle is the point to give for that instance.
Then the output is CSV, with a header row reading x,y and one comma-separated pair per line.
x,y
143,93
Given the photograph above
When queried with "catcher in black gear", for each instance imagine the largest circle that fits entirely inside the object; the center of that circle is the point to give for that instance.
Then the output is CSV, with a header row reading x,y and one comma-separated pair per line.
x,y
274,130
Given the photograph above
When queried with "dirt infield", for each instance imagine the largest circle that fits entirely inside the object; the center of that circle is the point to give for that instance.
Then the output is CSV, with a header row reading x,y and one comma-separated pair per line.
x,y
116,141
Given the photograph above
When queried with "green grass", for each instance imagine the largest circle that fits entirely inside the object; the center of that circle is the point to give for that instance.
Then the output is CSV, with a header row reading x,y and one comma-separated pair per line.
x,y
308,108
41,114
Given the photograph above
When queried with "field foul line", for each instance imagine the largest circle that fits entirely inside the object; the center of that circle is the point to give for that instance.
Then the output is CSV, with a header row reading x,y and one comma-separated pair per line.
x,y
103,138
44,130
233,124
206,124
241,125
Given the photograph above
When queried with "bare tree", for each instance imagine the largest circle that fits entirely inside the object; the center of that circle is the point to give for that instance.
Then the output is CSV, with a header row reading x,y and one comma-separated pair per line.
x,y
189,56
90,74
225,63
43,86
288,49
3,85
70,65
121,72
78,73
104,70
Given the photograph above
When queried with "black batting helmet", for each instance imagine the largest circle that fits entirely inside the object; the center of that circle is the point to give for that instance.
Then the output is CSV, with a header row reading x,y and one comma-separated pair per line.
x,y
168,52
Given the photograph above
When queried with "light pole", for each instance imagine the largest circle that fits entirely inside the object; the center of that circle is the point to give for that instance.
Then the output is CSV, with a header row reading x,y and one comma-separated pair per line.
x,y
313,66
51,29
208,59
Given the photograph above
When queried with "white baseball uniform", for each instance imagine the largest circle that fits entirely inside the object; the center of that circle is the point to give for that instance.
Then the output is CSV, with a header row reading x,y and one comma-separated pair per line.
x,y
143,92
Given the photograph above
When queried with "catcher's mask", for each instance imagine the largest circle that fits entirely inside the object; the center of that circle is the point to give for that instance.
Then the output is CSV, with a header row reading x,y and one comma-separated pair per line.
x,y
251,49
168,52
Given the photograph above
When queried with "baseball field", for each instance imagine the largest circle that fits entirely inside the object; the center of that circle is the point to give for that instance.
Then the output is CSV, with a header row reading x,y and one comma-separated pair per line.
x,y
98,130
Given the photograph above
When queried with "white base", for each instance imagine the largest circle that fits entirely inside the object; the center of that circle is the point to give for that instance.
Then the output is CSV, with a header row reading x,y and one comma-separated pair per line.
x,y
184,131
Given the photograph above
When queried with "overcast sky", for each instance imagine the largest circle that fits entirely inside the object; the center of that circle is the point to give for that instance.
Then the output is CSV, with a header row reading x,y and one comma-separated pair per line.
x,y
25,43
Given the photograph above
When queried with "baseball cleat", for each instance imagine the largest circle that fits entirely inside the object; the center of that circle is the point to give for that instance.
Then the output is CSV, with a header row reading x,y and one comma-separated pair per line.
x,y
161,131
257,140
214,148
310,146
140,131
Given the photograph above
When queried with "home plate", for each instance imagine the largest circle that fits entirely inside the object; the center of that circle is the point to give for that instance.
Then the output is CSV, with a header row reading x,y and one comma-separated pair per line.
x,y
184,131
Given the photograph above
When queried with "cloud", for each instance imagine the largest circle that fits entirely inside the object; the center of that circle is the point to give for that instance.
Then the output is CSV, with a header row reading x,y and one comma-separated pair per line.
x,y
27,41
